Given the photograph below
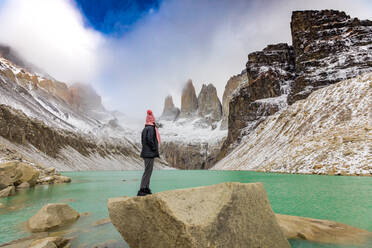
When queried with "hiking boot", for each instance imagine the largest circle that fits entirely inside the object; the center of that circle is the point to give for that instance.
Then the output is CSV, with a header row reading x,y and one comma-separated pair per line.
x,y
142,192
148,191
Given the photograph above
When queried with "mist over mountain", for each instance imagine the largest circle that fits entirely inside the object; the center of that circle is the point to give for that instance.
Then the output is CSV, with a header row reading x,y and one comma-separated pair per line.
x,y
161,50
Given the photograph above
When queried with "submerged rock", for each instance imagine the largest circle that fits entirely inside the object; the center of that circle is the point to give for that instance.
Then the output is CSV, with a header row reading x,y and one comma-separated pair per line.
x,y
323,231
9,191
51,242
24,185
52,216
222,215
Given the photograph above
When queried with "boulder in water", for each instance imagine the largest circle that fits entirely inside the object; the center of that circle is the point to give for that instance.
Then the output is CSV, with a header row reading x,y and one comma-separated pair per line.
x,y
222,215
322,231
52,216
9,191
24,185
51,242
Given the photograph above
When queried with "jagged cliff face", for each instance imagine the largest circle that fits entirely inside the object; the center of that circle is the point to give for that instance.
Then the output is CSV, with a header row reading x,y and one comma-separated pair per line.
x,y
190,156
232,84
270,73
328,46
327,133
170,112
209,106
189,101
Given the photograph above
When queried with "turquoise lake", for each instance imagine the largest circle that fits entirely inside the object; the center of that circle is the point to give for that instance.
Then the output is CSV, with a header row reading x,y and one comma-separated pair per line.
x,y
343,199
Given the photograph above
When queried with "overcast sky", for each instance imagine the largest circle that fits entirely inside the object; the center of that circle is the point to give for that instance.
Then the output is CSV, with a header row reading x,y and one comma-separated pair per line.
x,y
136,53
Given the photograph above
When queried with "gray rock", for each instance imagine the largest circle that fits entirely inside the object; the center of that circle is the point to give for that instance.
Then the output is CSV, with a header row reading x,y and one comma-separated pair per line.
x,y
170,112
189,101
222,215
209,106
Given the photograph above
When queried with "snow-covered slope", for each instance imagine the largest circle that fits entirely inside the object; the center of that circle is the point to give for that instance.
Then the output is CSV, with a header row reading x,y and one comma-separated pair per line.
x,y
192,130
112,144
330,132
191,143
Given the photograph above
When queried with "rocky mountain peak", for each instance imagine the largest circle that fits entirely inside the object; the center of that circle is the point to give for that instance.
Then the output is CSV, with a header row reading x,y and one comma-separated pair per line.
x,y
170,112
189,101
328,47
84,97
209,106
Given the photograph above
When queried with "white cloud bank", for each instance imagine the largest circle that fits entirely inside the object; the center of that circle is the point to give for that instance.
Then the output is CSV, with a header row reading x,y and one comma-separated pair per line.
x,y
207,41
51,34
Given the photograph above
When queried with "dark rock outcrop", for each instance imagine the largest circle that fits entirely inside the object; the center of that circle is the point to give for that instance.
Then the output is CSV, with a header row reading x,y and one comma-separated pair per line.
x,y
170,112
328,47
189,101
209,106
270,73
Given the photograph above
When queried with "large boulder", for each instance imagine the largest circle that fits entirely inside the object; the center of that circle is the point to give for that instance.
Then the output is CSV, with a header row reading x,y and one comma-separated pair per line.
x,y
52,216
27,173
170,112
209,106
16,173
7,174
222,215
189,101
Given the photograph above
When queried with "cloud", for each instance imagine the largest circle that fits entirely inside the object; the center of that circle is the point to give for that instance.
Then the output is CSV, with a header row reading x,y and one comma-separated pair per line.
x,y
51,34
207,41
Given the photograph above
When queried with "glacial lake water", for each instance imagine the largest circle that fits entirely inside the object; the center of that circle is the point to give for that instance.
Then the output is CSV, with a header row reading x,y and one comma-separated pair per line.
x,y
343,199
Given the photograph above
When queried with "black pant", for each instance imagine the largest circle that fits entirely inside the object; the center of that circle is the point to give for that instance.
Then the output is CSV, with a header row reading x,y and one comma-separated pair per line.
x,y
149,164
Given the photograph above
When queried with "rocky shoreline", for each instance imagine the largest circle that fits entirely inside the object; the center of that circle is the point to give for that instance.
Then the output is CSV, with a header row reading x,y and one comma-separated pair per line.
x,y
18,173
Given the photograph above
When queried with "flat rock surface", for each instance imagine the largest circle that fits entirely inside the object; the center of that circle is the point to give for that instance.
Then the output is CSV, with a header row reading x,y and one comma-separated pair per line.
x,y
323,231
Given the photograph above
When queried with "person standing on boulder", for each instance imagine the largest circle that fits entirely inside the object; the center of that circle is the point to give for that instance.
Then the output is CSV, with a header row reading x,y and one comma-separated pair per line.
x,y
150,139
